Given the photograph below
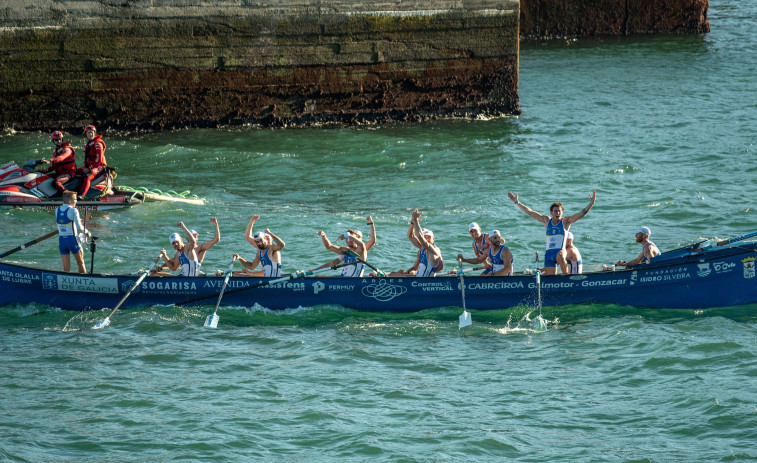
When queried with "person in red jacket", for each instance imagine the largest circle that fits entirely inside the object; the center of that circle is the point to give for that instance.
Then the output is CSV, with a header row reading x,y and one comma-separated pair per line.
x,y
94,159
63,161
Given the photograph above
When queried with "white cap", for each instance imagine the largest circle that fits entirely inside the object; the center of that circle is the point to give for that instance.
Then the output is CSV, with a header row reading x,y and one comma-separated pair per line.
x,y
569,236
193,232
473,226
174,238
259,235
427,232
644,230
359,234
494,233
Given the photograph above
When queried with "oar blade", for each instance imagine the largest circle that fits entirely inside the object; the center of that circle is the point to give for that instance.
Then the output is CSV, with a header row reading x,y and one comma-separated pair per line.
x,y
465,319
102,324
212,321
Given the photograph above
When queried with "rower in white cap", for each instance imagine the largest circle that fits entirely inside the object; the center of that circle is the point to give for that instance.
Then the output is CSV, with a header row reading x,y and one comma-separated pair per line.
x,y
429,256
185,258
480,244
203,248
269,248
648,249
499,255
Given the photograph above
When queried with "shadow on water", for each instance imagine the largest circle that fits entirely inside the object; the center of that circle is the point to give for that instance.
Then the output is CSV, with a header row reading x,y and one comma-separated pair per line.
x,y
161,318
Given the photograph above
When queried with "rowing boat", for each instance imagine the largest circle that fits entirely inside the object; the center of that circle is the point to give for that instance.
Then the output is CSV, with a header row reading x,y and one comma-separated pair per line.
x,y
717,277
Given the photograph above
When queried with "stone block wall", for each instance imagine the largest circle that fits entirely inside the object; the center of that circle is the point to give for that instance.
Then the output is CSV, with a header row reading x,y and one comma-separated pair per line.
x,y
156,64
541,19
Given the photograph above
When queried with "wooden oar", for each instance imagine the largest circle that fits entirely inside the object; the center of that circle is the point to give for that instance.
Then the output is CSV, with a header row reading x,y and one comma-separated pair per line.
x,y
212,320
30,243
465,318
105,322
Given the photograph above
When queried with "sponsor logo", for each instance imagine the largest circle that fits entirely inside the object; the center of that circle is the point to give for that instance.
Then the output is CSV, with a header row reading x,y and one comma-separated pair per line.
x,y
19,199
383,291
113,199
634,276
723,267
318,286
749,267
578,277
434,285
604,283
126,286
81,284
169,285
497,285
18,277
704,270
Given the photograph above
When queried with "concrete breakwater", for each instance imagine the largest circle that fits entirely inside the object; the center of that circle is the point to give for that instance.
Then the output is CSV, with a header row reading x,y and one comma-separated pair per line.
x,y
158,64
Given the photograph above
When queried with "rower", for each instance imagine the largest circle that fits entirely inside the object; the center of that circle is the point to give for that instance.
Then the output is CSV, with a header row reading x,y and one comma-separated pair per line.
x,y
648,249
185,258
498,254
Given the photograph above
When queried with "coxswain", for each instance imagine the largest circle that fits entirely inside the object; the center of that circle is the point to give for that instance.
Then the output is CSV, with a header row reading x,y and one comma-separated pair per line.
x,y
71,232
94,159
556,227
63,162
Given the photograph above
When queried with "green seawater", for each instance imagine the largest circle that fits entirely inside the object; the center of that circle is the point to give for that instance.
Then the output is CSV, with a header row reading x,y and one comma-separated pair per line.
x,y
661,127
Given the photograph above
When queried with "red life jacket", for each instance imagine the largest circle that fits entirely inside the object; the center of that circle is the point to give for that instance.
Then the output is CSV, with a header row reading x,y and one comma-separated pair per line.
x,y
63,161
94,153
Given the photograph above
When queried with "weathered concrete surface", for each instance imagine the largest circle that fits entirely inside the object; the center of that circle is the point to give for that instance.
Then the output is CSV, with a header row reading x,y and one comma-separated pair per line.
x,y
585,18
154,64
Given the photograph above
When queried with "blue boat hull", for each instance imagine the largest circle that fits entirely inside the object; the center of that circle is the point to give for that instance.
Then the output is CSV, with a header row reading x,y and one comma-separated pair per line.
x,y
720,278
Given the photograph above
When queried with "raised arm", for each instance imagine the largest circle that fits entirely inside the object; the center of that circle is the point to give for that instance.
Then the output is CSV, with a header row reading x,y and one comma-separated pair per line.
x,y
573,218
371,242
216,237
543,218
327,244
248,231
418,239
278,244
191,241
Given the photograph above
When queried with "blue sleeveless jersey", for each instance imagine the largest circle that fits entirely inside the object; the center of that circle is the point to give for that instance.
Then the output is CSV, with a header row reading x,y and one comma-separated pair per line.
x,y
555,235
354,270
424,270
270,268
